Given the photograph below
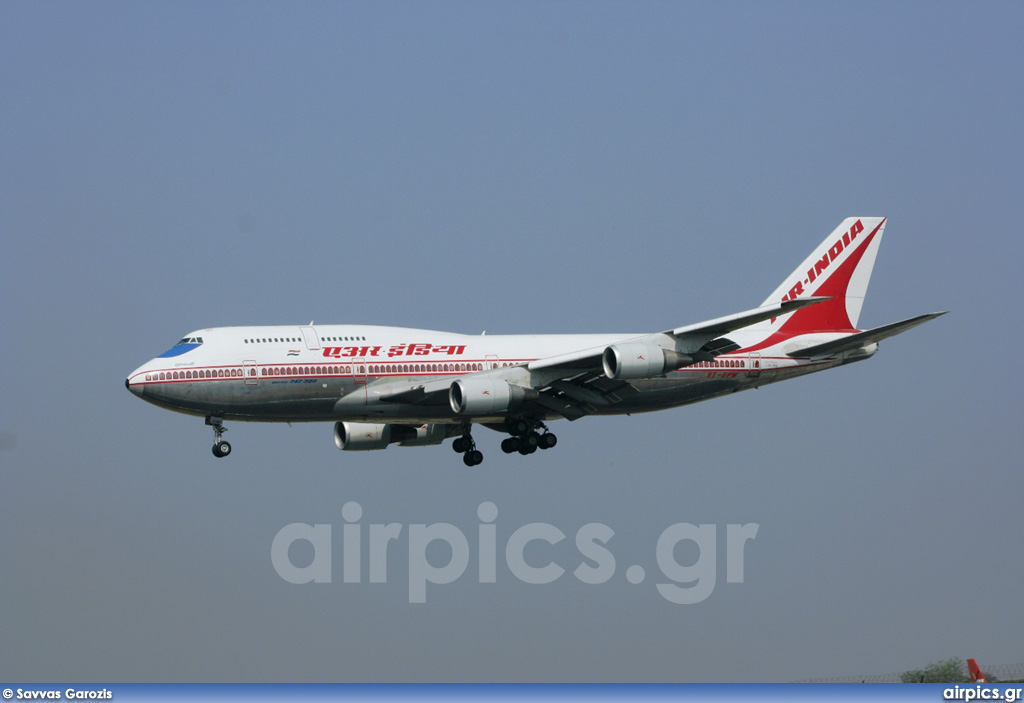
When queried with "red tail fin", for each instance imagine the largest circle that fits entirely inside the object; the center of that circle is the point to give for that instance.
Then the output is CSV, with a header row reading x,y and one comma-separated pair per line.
x,y
839,268
977,675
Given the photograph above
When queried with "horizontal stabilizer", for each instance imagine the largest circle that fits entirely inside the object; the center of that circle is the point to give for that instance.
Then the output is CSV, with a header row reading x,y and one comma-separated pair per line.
x,y
860,339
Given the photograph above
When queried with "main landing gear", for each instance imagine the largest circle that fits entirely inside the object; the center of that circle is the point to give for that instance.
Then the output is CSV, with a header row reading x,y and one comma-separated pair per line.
x,y
525,437
220,447
464,445
528,435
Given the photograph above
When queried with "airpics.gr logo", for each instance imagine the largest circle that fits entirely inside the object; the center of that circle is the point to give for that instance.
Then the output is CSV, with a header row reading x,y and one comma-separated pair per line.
x,y
682,583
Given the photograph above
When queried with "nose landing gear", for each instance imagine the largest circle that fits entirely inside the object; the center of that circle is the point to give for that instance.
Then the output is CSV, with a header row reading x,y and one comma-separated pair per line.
x,y
220,447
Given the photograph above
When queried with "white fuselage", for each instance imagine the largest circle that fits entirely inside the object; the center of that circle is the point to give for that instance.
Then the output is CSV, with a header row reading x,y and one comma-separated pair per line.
x,y
413,387
294,374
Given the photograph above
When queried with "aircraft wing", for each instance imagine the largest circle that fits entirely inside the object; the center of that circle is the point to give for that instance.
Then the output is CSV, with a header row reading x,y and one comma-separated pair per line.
x,y
690,339
739,320
574,384
861,339
574,396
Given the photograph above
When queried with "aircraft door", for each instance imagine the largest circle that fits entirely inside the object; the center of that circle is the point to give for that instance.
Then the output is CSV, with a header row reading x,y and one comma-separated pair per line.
x,y
251,373
312,340
753,365
491,362
359,378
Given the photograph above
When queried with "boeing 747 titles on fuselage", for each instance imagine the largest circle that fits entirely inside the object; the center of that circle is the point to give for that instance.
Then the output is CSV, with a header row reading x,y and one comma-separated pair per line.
x,y
412,387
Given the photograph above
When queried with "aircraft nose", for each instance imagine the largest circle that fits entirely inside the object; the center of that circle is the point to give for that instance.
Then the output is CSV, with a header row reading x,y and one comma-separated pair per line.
x,y
135,388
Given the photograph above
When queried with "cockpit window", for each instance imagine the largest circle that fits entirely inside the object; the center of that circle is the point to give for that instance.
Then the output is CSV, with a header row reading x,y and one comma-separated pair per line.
x,y
184,346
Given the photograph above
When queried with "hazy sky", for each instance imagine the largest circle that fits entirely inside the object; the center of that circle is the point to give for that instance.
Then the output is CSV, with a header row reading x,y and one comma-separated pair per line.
x,y
509,167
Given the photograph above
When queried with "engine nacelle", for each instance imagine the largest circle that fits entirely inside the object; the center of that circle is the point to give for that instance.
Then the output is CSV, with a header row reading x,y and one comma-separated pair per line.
x,y
364,436
486,396
361,436
641,360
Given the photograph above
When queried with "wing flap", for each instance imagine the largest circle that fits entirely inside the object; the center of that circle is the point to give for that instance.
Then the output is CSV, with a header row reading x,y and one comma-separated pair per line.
x,y
584,394
564,407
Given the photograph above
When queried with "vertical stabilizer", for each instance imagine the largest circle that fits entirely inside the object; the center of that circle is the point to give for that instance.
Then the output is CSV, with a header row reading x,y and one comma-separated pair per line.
x,y
839,268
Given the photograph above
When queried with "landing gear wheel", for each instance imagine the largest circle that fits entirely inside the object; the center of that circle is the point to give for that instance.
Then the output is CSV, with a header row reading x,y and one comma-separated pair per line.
x,y
526,436
467,447
518,427
220,447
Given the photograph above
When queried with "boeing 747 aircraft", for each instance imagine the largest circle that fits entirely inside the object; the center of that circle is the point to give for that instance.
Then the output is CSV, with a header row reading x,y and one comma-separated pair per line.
x,y
412,387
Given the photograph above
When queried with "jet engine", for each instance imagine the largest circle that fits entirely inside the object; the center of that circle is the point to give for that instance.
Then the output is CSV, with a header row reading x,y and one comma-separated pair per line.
x,y
486,396
364,436
641,360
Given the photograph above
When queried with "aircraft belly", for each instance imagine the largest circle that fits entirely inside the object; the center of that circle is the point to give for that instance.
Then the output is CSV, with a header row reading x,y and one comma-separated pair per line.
x,y
292,400
316,399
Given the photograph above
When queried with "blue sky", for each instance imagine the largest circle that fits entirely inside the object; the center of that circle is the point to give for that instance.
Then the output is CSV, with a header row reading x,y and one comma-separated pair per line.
x,y
509,167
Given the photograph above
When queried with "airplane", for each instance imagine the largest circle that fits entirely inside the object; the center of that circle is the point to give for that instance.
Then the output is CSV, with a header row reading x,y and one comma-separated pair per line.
x,y
414,387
